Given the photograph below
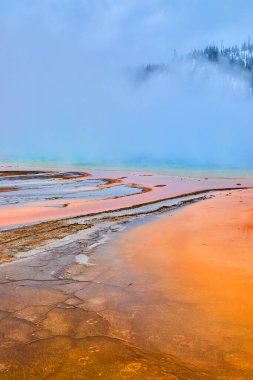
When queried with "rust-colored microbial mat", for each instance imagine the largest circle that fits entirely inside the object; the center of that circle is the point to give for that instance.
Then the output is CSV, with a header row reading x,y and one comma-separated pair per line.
x,y
170,298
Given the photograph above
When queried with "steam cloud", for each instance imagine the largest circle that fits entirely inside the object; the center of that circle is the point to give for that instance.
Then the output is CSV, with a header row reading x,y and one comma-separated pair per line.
x,y
71,89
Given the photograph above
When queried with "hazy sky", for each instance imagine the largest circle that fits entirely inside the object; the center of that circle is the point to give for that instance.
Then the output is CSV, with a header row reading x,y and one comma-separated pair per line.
x,y
66,92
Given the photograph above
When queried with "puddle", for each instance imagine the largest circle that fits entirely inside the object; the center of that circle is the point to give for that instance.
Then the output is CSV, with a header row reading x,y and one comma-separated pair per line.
x,y
37,190
82,259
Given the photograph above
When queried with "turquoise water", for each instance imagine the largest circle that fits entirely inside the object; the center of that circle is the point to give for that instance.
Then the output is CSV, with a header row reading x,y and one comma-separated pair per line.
x,y
192,171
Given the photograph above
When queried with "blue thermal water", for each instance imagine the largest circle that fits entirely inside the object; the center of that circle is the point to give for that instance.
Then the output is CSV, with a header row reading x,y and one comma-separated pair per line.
x,y
35,190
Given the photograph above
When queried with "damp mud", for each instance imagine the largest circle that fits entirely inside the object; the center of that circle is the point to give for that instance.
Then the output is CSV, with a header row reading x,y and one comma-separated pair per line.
x,y
158,288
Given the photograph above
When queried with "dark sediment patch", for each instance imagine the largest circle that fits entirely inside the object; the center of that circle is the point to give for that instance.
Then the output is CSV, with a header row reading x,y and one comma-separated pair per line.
x,y
29,174
144,189
30,237
20,172
7,189
109,182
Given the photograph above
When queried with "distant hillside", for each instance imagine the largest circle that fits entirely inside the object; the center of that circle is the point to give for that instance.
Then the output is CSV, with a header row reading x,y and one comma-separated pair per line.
x,y
236,61
236,56
233,57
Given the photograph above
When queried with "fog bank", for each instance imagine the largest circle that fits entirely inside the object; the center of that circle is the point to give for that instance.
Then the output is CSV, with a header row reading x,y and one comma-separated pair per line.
x,y
70,91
